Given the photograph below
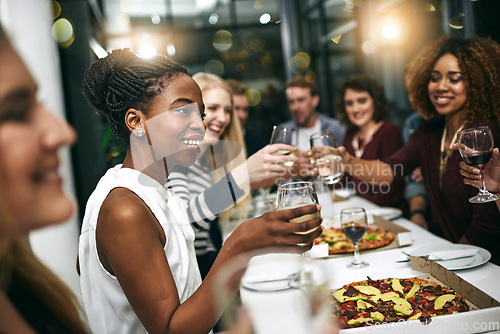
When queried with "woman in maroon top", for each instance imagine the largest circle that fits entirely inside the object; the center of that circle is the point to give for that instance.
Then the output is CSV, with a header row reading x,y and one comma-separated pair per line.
x,y
362,107
453,83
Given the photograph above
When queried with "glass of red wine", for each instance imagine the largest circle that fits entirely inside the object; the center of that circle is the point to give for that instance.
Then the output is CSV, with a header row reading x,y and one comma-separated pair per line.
x,y
354,223
476,147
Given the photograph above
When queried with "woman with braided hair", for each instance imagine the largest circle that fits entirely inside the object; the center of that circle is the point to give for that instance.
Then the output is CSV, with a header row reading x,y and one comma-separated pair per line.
x,y
138,267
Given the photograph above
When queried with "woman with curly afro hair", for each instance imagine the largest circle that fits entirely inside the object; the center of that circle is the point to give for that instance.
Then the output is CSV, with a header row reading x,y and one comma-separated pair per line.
x,y
454,84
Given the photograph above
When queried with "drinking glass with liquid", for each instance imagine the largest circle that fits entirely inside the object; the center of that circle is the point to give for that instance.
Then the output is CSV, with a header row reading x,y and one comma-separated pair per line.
x,y
285,135
354,223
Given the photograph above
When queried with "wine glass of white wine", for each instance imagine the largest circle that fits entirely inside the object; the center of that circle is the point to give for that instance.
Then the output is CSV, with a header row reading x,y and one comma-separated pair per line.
x,y
285,135
280,135
293,195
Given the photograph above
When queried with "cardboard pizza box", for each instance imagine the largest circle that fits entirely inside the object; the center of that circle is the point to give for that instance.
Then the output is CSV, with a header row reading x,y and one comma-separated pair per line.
x,y
484,314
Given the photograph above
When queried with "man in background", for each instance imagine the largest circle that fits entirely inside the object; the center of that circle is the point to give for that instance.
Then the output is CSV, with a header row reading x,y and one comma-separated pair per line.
x,y
303,99
253,140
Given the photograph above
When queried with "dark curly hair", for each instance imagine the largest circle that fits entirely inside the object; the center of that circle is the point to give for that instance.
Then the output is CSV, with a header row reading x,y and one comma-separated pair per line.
x,y
122,80
479,62
363,83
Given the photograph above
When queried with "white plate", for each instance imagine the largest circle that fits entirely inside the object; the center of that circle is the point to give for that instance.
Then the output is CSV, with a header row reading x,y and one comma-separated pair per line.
x,y
387,213
345,192
455,264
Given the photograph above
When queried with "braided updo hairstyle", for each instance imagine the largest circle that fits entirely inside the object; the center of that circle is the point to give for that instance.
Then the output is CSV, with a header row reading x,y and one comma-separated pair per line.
x,y
122,80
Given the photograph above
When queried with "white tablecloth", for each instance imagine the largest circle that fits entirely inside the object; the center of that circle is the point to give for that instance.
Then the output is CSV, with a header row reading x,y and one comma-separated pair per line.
x,y
383,263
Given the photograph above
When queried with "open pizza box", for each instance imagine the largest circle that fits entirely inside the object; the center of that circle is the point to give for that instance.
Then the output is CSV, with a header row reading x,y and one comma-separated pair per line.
x,y
403,238
484,314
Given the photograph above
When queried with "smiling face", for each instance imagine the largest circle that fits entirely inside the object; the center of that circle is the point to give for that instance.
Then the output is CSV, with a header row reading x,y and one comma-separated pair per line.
x,y
30,138
218,108
447,88
359,107
302,105
174,125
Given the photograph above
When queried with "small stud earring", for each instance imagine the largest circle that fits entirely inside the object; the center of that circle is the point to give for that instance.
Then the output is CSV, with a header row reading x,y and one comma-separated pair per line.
x,y
140,132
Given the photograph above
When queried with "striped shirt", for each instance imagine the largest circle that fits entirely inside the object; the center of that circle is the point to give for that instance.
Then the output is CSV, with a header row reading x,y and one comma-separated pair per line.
x,y
205,200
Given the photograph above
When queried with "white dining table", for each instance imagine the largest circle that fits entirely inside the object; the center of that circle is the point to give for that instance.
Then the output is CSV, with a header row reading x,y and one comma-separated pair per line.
x,y
383,263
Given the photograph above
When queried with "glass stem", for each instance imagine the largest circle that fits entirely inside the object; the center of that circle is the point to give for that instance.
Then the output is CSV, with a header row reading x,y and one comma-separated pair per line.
x,y
303,276
482,190
357,258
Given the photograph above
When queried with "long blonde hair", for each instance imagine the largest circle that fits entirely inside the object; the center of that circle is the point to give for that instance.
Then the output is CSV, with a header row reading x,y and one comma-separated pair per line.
x,y
17,261
232,132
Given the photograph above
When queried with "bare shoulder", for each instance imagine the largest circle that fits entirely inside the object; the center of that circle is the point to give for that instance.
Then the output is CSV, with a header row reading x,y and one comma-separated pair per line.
x,y
123,209
126,224
123,204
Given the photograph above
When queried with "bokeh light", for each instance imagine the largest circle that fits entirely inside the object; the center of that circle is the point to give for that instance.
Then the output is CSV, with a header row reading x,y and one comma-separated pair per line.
x,y
457,22
254,97
213,18
429,7
62,32
147,51
55,10
390,32
223,40
311,76
214,66
155,19
299,62
265,18
368,47
171,49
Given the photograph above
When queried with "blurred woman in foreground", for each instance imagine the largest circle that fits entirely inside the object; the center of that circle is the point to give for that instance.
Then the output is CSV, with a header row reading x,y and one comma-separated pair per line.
x,y
32,298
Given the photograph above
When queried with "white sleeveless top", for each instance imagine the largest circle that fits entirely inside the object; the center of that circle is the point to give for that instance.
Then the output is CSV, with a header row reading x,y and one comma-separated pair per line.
x,y
107,308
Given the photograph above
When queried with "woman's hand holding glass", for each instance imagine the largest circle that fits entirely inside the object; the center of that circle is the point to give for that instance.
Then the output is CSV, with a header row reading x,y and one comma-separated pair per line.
x,y
266,165
476,148
273,229
295,195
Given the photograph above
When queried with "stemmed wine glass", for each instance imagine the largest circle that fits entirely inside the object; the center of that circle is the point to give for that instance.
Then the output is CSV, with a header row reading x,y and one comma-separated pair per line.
x,y
476,147
354,223
327,164
285,135
293,195
280,135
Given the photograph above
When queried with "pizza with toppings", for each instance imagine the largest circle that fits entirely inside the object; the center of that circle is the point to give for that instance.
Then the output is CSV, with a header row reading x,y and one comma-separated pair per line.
x,y
338,243
370,302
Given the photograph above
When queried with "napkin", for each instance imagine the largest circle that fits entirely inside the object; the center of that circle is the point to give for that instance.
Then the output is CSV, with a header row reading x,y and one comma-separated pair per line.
x,y
453,254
